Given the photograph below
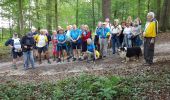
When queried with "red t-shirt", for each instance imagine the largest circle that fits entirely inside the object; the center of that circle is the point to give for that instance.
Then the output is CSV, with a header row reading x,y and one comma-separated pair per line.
x,y
86,36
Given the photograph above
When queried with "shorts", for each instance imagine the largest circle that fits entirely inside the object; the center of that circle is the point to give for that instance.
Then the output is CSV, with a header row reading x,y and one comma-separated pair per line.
x,y
42,49
16,54
35,47
84,46
61,47
76,45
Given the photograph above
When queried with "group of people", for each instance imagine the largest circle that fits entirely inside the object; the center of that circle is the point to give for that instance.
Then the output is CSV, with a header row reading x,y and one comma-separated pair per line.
x,y
80,44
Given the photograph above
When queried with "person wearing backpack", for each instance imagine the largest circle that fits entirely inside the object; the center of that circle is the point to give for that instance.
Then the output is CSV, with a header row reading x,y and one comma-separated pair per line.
x,y
15,44
27,43
61,45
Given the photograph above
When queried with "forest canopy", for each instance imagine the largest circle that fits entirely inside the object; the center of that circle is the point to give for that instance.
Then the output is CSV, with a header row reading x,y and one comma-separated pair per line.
x,y
21,15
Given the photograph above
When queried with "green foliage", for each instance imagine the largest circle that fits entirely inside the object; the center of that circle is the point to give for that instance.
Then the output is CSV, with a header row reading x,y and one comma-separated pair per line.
x,y
32,9
77,88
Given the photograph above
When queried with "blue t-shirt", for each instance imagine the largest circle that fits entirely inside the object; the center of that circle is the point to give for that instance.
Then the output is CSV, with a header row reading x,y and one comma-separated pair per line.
x,y
103,32
61,37
99,30
90,47
75,34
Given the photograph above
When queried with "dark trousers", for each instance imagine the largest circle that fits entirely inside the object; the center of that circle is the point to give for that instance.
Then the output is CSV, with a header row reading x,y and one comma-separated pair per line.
x,y
148,50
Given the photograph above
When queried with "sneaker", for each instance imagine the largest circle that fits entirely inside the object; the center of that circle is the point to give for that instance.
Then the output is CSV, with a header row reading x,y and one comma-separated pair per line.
x,y
74,59
33,67
68,59
40,62
80,59
25,68
59,60
146,64
14,66
49,62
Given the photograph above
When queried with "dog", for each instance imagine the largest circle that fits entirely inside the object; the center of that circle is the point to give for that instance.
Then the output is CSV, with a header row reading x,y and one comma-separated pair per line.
x,y
127,53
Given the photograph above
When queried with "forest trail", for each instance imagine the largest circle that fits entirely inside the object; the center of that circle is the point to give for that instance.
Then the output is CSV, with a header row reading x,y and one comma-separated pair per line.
x,y
109,66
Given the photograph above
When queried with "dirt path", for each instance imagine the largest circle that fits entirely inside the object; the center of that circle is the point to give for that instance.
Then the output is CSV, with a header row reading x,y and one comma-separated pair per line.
x,y
109,66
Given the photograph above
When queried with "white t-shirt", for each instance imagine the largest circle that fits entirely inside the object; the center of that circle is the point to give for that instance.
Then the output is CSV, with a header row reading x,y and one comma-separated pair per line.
x,y
68,35
42,41
115,29
127,30
17,44
136,30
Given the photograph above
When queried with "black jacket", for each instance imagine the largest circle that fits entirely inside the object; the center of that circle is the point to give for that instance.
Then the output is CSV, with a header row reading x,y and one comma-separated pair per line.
x,y
27,41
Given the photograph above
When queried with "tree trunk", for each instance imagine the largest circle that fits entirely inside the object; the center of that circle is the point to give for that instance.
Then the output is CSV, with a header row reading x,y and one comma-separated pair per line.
x,y
56,14
37,14
139,7
164,21
49,15
77,12
93,14
30,14
158,9
99,9
106,9
20,18
149,5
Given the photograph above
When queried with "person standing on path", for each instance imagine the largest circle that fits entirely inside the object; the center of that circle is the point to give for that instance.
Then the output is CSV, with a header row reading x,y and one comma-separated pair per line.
x,y
149,34
27,43
104,40
15,44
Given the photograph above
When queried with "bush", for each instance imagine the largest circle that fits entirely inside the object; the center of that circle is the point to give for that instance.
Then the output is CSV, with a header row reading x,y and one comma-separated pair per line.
x,y
81,87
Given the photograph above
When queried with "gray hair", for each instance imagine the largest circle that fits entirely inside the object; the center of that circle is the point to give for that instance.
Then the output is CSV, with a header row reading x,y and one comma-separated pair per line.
x,y
151,14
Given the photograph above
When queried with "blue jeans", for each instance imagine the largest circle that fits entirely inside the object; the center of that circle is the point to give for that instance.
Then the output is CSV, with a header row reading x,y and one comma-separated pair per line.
x,y
115,43
127,41
28,57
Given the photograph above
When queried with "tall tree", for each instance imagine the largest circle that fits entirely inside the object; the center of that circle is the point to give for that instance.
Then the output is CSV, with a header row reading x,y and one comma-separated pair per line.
x,y
20,18
49,15
165,20
149,5
77,12
106,8
93,14
158,9
56,14
139,7
37,13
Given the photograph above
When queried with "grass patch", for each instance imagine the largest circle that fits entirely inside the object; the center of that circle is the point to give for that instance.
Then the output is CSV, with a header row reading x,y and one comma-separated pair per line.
x,y
90,87
76,88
